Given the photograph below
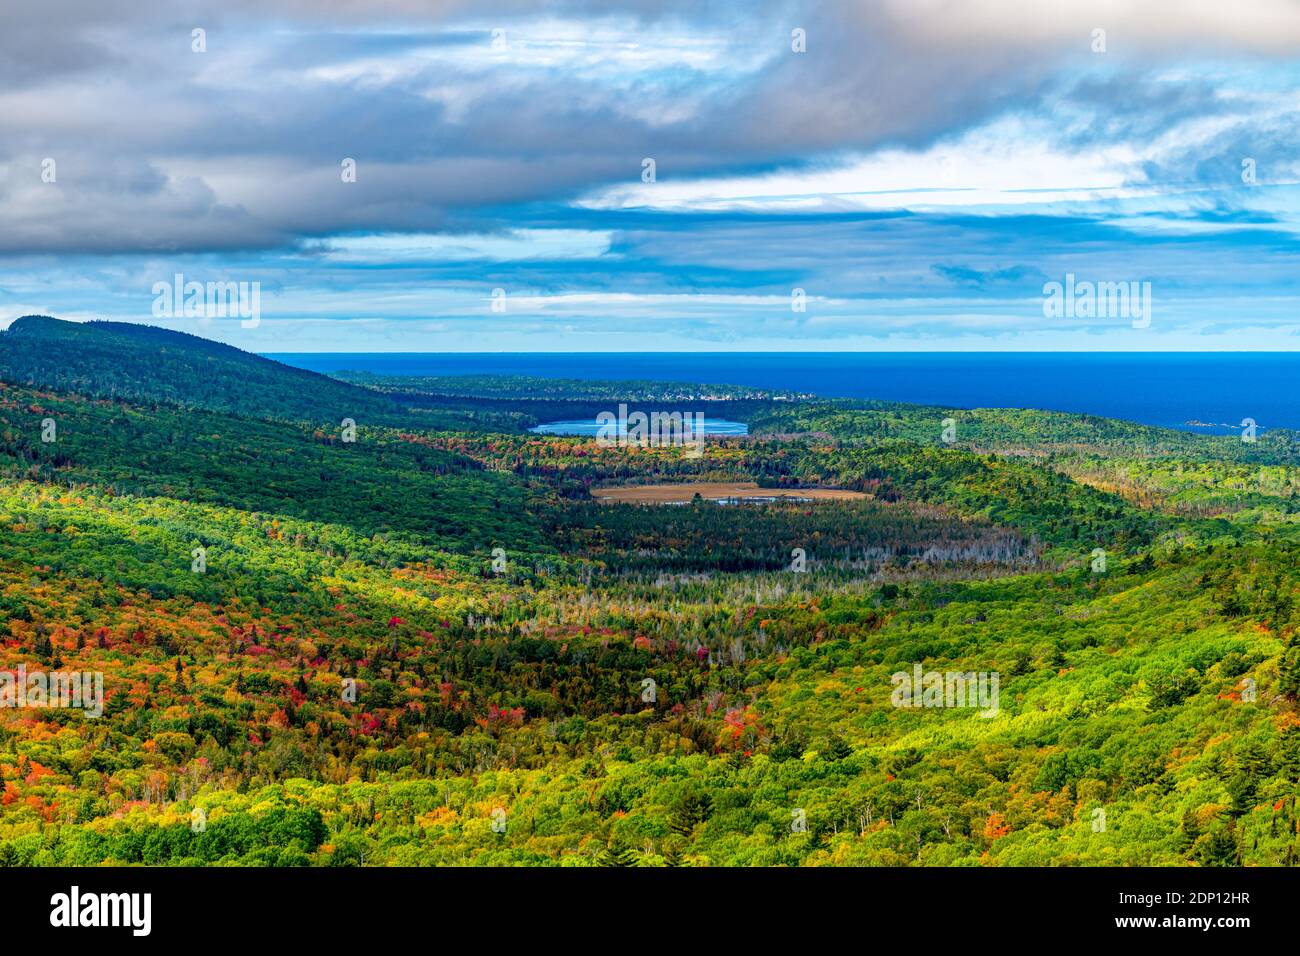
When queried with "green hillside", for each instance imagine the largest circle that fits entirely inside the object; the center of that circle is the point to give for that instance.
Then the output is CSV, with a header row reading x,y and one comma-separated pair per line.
x,y
142,363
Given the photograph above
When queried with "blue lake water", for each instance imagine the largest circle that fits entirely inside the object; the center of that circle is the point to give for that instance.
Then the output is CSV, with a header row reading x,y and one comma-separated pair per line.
x,y
712,426
1169,389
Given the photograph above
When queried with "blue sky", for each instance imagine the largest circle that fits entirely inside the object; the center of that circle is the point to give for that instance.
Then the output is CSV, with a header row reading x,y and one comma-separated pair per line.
x,y
920,171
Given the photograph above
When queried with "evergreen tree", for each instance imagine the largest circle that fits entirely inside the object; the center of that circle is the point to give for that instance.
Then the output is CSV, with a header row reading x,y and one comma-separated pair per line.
x,y
837,749
617,853
1218,848
693,808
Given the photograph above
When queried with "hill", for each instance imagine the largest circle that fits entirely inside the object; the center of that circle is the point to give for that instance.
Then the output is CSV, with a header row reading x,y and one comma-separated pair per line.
x,y
142,363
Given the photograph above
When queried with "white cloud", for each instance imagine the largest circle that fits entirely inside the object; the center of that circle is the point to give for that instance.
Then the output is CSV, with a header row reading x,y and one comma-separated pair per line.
x,y
1006,163
515,245
1267,26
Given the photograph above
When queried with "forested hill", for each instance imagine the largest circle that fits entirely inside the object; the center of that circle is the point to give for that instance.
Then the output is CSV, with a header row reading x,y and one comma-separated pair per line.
x,y
145,364
142,363
1003,429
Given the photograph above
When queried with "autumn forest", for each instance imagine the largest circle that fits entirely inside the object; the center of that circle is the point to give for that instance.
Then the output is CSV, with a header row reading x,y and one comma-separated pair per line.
x,y
368,620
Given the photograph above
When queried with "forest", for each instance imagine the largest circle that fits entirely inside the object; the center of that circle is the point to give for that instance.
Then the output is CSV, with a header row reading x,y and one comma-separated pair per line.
x,y
420,641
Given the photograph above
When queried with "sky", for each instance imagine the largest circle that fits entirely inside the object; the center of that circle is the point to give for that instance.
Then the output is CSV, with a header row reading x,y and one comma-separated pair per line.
x,y
656,175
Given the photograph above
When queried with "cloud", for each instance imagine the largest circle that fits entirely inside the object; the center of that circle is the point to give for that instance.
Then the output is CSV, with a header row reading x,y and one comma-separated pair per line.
x,y
1180,27
920,168
244,141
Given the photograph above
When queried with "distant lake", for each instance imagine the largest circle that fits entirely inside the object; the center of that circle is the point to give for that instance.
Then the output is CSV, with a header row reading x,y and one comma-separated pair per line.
x,y
1157,388
712,426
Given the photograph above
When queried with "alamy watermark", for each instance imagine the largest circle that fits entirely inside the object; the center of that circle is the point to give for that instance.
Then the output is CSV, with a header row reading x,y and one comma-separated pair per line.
x,y
658,429
75,690
75,908
1074,299
213,300
922,688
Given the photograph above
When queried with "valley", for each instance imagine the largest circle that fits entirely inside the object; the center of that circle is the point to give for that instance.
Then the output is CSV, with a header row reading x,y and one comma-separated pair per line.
x,y
454,640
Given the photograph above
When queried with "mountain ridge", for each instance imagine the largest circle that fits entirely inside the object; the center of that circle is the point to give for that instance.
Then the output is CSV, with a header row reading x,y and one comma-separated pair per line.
x,y
121,360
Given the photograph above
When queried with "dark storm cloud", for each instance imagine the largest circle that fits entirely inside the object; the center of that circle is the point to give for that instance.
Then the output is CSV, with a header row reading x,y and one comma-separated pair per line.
x,y
162,149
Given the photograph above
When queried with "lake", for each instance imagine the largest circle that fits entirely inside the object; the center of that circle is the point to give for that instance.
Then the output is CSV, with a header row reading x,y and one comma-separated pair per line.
x,y
589,426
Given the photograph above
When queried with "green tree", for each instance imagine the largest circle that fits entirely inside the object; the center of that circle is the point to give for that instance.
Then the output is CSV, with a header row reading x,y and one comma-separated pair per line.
x,y
617,853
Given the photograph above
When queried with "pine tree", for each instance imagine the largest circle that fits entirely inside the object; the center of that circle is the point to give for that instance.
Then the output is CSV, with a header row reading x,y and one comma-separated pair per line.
x,y
1289,670
693,808
1217,849
617,853
837,749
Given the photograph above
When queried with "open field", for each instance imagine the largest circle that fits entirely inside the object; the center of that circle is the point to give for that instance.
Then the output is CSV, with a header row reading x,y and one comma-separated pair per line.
x,y
718,490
